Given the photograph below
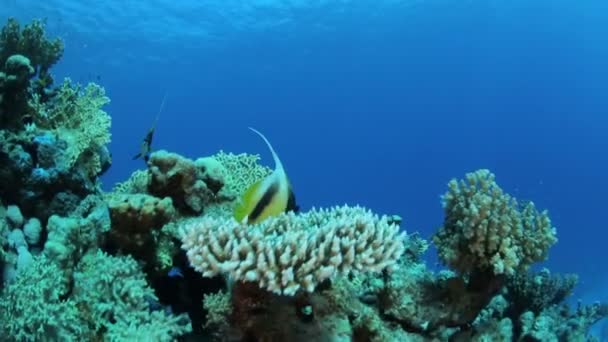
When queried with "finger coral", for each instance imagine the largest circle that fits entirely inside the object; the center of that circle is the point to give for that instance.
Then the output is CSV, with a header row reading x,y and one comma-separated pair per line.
x,y
486,229
292,252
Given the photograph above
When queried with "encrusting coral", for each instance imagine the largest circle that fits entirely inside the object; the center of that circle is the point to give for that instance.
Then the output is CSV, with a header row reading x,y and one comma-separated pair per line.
x,y
290,252
135,218
191,184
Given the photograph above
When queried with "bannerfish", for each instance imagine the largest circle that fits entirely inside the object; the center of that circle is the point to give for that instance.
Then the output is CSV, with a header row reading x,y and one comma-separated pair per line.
x,y
267,197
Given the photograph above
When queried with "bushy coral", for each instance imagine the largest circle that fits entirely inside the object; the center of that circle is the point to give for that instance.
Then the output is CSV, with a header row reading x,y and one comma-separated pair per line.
x,y
40,306
34,307
292,252
75,116
558,323
219,308
486,229
69,238
118,300
242,170
24,53
30,41
538,291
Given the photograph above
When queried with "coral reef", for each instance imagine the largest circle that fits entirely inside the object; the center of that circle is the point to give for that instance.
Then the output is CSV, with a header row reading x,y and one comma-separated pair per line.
x,y
52,139
79,264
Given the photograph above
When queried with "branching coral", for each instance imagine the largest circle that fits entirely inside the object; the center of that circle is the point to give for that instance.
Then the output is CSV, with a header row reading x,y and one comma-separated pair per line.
x,y
537,291
32,43
24,54
76,117
33,307
558,323
118,300
290,252
70,237
486,229
242,170
40,306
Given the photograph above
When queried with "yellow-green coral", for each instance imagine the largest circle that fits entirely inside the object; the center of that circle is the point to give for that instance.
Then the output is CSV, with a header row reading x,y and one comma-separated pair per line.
x,y
33,307
486,229
76,116
219,307
242,171
116,302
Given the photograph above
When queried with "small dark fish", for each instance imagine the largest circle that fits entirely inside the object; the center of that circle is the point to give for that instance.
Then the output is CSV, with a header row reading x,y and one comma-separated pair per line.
x,y
175,272
146,144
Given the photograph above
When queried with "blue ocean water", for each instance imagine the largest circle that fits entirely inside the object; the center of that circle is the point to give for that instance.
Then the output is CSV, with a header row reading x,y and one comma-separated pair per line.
x,y
378,103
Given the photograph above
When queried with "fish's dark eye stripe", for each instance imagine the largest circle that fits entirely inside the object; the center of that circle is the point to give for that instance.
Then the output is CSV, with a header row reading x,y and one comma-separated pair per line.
x,y
264,202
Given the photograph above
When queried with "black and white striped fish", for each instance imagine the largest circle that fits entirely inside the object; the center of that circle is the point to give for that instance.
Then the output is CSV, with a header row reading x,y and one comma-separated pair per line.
x,y
267,197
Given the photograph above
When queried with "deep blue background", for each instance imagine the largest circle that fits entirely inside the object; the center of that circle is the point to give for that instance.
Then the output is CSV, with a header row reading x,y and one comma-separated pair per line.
x,y
383,108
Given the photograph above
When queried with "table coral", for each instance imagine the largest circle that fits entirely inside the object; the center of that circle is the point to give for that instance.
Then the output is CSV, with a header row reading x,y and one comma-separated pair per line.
x,y
486,229
292,252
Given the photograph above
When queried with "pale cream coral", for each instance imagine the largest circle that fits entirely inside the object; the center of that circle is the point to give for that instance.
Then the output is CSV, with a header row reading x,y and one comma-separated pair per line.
x,y
294,252
485,228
